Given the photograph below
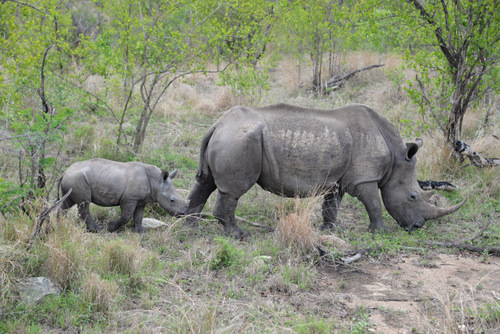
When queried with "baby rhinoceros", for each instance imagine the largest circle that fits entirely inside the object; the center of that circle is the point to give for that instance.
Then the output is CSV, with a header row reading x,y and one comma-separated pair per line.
x,y
130,185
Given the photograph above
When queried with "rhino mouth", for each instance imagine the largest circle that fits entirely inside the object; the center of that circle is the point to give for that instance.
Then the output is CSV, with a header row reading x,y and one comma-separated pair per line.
x,y
419,223
412,225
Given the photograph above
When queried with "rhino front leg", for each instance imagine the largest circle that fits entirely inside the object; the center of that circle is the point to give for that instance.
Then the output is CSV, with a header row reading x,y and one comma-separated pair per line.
x,y
224,212
368,194
138,213
84,214
331,204
127,209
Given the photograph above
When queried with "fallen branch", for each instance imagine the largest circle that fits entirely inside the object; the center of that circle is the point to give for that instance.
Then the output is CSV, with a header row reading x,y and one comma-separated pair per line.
x,y
337,81
43,216
477,159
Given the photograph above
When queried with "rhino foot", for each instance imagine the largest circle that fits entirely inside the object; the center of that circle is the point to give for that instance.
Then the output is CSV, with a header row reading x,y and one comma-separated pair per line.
x,y
191,221
378,228
328,226
113,226
94,228
236,232
139,229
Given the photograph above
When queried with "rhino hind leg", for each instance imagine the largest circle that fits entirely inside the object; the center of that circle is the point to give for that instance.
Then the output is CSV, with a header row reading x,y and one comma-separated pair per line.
x,y
84,213
224,212
197,197
331,204
65,205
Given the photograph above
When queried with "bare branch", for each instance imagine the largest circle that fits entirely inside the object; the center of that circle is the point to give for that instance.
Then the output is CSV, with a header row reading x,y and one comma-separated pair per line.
x,y
25,4
429,104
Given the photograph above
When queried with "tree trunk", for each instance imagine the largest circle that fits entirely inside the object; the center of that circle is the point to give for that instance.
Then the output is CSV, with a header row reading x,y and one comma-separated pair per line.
x,y
454,126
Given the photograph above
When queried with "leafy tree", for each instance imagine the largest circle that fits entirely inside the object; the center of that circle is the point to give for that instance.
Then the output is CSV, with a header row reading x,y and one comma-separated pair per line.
x,y
316,29
455,49
34,39
146,46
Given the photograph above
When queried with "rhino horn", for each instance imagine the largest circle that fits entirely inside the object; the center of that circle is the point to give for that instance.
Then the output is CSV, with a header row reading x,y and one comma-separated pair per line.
x,y
436,212
428,194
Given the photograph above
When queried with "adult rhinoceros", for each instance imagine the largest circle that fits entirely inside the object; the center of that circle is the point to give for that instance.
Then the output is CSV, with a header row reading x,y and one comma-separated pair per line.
x,y
130,185
294,151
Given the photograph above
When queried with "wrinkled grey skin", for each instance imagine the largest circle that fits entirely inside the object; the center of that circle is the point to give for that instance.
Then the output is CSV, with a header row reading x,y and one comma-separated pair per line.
x,y
293,151
130,185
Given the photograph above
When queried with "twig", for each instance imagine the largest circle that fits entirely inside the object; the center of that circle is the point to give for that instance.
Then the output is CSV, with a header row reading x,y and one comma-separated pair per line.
x,y
251,223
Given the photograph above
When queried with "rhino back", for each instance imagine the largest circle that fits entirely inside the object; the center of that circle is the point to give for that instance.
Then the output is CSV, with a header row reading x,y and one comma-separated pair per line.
x,y
108,183
316,148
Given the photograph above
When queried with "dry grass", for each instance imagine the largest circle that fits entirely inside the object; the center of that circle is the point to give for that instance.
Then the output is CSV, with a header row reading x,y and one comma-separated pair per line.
x,y
288,77
10,268
121,257
162,281
460,310
295,229
102,294
67,248
224,98
205,106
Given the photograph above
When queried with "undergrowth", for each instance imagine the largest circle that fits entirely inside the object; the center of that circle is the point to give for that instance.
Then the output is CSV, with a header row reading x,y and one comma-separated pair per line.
x,y
181,279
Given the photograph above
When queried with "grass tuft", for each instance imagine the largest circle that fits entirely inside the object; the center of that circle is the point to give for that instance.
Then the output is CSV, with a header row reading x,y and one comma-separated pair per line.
x,y
295,229
102,294
120,257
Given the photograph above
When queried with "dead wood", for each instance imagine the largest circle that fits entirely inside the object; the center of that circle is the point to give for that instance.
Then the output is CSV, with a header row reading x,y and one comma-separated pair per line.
x,y
43,217
440,185
337,81
466,243
477,159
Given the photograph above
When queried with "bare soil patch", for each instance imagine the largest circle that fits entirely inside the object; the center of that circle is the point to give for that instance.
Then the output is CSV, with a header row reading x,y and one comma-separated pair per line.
x,y
409,294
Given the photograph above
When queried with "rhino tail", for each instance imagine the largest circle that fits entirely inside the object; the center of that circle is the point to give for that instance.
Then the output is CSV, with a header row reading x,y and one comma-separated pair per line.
x,y
204,144
59,188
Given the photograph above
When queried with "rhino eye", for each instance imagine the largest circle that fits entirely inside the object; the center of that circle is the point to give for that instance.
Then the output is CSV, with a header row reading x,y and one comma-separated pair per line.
x,y
413,196
172,199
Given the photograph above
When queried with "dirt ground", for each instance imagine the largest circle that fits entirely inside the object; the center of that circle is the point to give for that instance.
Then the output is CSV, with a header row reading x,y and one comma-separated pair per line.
x,y
408,294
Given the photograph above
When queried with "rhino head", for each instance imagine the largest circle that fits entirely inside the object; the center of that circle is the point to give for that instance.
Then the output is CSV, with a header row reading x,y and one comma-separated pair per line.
x,y
168,197
405,201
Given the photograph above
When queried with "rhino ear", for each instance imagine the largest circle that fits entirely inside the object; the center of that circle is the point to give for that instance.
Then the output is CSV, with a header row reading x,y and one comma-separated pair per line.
x,y
164,175
173,174
411,150
419,142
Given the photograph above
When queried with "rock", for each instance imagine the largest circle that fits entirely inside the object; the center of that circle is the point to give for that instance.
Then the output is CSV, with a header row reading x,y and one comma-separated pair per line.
x,y
335,242
33,289
152,223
